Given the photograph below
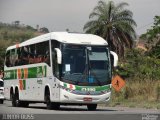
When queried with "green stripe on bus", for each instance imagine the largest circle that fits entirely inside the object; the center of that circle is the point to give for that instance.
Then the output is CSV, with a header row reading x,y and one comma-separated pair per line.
x,y
10,74
24,84
65,85
97,88
33,72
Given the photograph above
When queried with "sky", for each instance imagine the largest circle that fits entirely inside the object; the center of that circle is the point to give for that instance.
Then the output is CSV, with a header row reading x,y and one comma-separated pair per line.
x,y
59,15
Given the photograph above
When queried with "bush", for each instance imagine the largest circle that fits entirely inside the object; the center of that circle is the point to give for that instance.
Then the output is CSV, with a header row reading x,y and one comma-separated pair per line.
x,y
10,35
139,67
142,75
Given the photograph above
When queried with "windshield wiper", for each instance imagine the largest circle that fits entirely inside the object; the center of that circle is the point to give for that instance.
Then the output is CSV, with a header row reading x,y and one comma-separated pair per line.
x,y
95,76
85,73
84,76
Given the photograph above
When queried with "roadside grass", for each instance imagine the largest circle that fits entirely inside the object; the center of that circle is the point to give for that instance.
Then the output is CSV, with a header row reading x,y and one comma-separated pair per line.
x,y
146,104
141,94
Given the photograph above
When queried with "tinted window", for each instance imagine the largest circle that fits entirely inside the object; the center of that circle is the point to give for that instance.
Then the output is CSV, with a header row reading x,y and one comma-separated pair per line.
x,y
32,54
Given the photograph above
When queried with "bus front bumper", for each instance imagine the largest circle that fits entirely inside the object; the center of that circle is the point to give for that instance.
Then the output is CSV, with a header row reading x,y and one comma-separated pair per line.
x,y
68,97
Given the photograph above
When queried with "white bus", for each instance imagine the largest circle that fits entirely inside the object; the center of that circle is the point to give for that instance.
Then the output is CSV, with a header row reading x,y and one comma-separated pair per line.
x,y
59,68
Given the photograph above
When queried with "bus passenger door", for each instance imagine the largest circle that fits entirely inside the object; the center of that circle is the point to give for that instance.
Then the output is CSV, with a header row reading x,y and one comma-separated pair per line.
x,y
40,80
39,88
56,89
56,75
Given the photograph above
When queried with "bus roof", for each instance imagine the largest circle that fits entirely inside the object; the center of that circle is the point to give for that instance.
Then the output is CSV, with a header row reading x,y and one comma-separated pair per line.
x,y
64,37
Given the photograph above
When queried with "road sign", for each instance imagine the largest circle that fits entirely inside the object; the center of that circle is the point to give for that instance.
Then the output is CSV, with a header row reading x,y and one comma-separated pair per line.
x,y
118,83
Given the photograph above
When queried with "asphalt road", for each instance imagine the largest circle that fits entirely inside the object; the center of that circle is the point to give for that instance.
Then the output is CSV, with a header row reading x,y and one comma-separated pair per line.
x,y
39,112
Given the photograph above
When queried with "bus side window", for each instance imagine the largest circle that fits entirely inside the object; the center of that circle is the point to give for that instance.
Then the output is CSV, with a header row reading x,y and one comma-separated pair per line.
x,y
32,54
46,58
24,56
10,58
17,62
7,61
43,54
13,57
55,64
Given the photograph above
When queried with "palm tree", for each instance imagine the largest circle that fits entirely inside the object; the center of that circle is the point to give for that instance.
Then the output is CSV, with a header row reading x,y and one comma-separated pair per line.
x,y
113,23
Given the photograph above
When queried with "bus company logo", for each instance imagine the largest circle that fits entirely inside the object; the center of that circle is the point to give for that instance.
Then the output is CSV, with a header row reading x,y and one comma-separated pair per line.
x,y
88,89
7,75
40,71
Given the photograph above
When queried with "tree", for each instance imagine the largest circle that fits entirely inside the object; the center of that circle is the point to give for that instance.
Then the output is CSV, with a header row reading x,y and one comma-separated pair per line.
x,y
4,44
44,30
113,23
154,31
30,28
152,38
67,30
16,23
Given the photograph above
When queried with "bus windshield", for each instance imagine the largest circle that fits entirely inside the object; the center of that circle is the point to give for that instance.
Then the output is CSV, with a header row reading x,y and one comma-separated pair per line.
x,y
85,65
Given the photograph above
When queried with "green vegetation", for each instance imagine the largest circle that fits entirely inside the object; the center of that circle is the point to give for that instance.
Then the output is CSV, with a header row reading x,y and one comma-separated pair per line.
x,y
138,94
142,76
16,32
141,70
114,23
138,66
154,31
152,37
11,34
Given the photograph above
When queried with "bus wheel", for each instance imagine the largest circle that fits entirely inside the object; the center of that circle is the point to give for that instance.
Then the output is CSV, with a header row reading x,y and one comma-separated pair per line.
x,y
24,104
16,100
92,107
56,106
12,97
48,101
50,105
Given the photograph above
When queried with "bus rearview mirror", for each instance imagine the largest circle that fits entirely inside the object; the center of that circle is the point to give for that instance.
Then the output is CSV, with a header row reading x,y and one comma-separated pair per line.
x,y
59,55
115,58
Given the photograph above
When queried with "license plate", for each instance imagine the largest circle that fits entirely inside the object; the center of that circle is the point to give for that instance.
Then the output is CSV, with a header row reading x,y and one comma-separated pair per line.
x,y
88,99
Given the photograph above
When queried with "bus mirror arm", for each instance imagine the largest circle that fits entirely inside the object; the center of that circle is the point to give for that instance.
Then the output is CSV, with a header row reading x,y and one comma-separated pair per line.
x,y
115,59
59,55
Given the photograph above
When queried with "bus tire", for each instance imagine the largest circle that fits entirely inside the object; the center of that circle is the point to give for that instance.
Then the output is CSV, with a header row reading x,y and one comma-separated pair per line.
x,y
48,101
92,107
50,105
16,100
12,99
24,104
55,105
